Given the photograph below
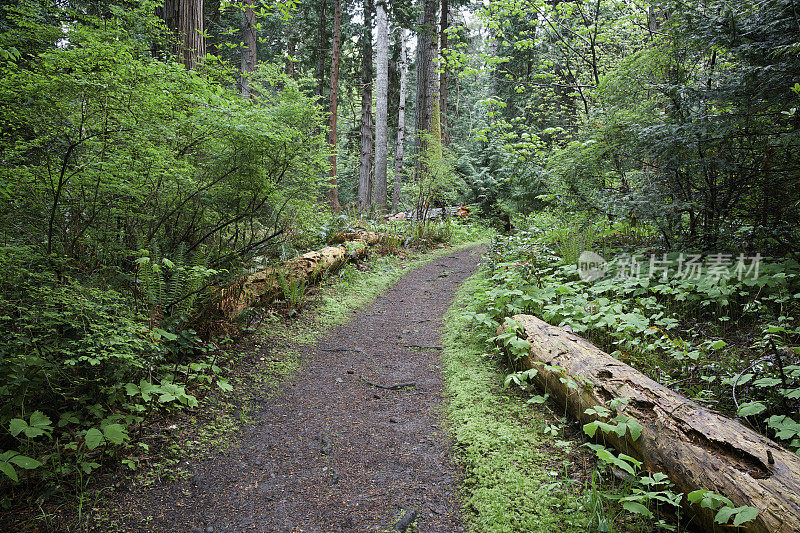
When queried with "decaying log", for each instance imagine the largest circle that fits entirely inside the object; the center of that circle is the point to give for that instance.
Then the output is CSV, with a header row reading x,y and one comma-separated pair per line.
x,y
264,287
695,446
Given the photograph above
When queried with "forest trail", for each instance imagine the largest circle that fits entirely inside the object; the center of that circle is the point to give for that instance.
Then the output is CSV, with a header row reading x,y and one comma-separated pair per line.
x,y
331,451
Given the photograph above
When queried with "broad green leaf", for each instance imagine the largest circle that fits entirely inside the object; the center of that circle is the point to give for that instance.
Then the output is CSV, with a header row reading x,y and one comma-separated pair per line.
x,y
751,408
635,428
636,508
745,514
9,470
696,495
89,466
25,462
17,426
115,433
724,515
40,420
93,438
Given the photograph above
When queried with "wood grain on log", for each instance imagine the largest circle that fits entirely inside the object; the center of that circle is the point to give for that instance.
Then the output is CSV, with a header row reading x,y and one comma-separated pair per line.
x,y
696,447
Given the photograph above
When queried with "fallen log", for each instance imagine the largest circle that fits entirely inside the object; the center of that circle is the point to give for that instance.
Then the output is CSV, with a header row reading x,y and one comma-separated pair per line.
x,y
264,286
699,449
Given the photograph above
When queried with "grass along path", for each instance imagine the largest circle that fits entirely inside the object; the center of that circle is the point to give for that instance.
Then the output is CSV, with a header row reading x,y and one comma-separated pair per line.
x,y
515,477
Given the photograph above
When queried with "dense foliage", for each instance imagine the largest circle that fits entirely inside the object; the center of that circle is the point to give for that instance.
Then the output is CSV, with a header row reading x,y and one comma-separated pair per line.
x,y
129,185
139,176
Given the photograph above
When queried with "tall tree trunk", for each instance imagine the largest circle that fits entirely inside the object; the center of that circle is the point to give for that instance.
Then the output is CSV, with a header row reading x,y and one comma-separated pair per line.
x,y
401,123
444,25
185,19
382,107
365,183
250,50
322,45
333,193
427,39
291,50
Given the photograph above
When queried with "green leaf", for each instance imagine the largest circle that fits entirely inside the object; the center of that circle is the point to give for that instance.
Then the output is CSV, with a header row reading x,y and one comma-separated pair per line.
x,y
88,466
40,420
224,385
8,470
131,389
17,426
636,508
724,514
25,462
93,438
696,495
751,408
745,514
538,399
115,433
590,428
635,428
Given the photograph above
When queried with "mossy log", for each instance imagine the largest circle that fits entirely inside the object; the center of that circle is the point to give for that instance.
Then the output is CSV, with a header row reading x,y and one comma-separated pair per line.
x,y
696,447
264,286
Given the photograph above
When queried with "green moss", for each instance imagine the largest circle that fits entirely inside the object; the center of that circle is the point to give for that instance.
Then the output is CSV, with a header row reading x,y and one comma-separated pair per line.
x,y
514,475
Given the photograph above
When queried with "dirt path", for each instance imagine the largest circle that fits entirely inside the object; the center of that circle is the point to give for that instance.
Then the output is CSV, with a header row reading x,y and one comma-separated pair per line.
x,y
331,452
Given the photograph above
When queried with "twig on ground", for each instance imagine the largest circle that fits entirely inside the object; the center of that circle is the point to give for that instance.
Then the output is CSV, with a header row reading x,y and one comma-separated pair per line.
x,y
396,386
421,347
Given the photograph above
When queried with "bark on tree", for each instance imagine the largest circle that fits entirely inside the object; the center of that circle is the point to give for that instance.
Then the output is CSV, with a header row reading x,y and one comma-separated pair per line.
x,y
185,19
291,50
695,446
322,45
427,39
382,107
443,26
250,50
333,192
365,183
401,124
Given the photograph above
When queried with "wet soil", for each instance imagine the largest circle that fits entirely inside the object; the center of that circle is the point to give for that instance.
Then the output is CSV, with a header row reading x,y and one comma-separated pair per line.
x,y
352,441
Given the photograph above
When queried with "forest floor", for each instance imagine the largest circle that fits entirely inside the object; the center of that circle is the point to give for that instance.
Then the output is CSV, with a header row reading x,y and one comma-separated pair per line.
x,y
332,450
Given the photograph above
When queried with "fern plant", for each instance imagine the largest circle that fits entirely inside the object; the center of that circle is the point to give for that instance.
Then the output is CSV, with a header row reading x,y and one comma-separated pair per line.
x,y
169,287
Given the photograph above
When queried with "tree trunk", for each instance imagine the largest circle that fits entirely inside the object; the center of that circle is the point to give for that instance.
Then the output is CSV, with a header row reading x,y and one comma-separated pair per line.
x,y
250,50
365,183
333,192
185,19
443,26
382,107
291,50
695,446
427,38
322,45
401,124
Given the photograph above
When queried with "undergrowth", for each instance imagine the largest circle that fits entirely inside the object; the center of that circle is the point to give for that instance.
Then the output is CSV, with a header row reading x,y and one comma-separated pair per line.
x,y
727,339
516,478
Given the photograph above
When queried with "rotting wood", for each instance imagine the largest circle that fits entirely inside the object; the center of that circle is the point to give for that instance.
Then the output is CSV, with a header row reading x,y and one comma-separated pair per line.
x,y
264,287
695,446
